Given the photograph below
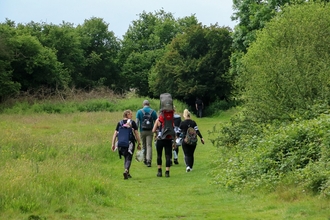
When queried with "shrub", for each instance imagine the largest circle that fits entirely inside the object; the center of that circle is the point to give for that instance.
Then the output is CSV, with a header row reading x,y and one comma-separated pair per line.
x,y
298,150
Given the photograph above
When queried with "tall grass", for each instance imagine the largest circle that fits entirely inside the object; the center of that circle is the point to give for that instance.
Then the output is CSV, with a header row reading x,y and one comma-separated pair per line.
x,y
60,166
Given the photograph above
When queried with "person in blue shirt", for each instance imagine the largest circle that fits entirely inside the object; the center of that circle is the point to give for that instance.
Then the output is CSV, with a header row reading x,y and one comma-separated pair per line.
x,y
146,134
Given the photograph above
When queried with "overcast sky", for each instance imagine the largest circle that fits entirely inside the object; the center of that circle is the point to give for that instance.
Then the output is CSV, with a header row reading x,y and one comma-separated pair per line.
x,y
119,14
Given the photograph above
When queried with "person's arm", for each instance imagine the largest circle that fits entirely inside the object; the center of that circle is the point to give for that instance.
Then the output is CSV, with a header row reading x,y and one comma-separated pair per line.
x,y
114,136
137,119
199,133
138,139
156,125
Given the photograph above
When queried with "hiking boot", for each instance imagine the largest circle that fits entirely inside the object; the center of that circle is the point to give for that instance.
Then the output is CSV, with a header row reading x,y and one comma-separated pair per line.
x,y
125,175
188,169
176,161
159,174
167,173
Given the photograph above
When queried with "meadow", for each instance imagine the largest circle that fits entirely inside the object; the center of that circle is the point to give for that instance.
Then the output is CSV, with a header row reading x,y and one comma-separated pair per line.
x,y
60,166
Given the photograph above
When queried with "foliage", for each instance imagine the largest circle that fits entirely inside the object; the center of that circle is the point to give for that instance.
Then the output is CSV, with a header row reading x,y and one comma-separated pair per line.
x,y
195,61
7,85
295,154
286,71
57,56
218,106
101,49
143,44
252,16
280,135
71,101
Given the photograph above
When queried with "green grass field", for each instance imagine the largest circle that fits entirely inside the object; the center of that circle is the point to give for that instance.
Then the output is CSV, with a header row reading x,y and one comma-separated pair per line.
x,y
60,166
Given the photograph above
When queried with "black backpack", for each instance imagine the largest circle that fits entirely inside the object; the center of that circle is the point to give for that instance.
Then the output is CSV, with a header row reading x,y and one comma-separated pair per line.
x,y
147,121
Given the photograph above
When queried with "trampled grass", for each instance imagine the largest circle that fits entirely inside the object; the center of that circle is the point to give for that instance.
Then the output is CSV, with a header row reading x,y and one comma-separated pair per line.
x,y
60,166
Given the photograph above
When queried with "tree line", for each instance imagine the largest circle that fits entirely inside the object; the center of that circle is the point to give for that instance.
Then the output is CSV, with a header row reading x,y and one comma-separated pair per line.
x,y
158,53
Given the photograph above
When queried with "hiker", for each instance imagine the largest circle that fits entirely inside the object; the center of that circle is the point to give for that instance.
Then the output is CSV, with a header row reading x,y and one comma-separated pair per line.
x,y
177,122
160,144
126,145
145,119
164,132
199,107
189,148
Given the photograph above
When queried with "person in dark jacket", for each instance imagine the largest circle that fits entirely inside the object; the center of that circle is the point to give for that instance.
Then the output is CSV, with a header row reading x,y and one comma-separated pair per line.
x,y
188,149
199,107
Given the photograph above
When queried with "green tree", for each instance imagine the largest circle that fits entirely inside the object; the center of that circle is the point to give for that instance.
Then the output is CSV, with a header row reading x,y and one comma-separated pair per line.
x,y
286,71
7,85
65,40
101,49
253,15
196,63
144,43
32,65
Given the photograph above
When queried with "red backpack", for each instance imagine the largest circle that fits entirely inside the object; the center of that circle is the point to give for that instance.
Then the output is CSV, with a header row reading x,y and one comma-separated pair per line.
x,y
166,117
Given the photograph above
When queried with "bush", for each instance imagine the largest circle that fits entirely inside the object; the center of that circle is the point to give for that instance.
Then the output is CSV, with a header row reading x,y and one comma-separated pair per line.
x,y
298,151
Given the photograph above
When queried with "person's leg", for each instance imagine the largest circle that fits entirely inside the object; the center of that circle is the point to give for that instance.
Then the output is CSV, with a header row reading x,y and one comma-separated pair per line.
x,y
199,112
144,146
124,152
168,156
187,155
192,150
159,148
177,155
149,137
128,159
184,149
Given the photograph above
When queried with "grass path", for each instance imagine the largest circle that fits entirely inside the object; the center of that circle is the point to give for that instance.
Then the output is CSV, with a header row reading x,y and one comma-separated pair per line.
x,y
191,195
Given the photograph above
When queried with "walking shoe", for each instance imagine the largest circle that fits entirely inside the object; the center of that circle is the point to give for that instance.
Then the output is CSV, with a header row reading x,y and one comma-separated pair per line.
x,y
176,161
125,175
159,174
188,169
167,173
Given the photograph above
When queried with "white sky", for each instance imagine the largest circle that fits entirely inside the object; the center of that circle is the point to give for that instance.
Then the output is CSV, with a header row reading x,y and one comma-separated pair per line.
x,y
119,14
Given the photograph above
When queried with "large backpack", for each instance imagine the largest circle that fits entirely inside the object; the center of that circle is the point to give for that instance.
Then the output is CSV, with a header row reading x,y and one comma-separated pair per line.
x,y
166,102
191,136
166,117
147,121
125,135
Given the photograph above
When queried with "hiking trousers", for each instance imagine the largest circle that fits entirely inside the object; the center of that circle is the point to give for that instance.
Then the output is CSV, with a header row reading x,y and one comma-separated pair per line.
x,y
146,137
167,145
189,151
128,156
